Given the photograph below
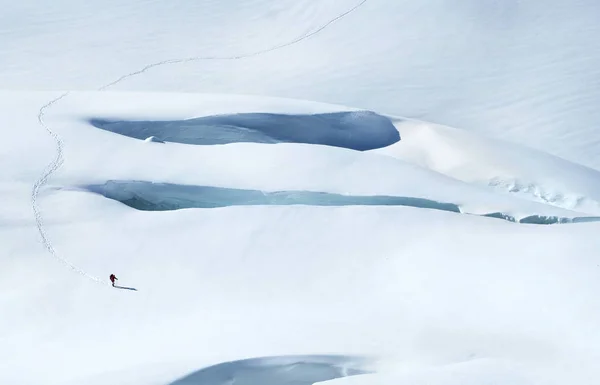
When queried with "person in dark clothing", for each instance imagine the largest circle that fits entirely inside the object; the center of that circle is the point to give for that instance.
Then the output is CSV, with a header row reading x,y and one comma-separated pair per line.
x,y
113,279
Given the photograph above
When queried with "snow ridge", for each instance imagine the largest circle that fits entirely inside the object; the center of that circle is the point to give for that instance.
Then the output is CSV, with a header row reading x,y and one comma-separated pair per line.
x,y
49,170
58,160
235,57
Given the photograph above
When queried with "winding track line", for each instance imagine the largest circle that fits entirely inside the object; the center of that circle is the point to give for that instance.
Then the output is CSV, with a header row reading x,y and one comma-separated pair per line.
x,y
235,57
59,158
50,169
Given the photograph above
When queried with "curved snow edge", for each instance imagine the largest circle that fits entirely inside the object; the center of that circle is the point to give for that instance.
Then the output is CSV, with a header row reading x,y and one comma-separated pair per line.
x,y
356,130
150,196
276,370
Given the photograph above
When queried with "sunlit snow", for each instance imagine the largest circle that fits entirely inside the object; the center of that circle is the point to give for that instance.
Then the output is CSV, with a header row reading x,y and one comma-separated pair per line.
x,y
298,192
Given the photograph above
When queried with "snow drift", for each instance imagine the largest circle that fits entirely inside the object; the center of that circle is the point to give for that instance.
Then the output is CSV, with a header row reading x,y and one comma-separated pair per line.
x,y
417,285
505,167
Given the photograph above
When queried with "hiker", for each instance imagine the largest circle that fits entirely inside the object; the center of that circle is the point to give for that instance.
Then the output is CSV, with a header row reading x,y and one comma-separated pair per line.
x,y
113,279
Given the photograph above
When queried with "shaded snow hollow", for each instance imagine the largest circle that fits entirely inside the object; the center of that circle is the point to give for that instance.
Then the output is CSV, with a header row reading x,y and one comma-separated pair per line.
x,y
357,130
150,196
283,370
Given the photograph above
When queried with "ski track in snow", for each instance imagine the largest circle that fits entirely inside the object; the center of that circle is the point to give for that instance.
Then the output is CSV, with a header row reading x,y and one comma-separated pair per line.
x,y
235,57
50,169
58,160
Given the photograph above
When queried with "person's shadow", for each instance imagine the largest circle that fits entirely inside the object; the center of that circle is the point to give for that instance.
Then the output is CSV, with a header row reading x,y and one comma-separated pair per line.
x,y
125,288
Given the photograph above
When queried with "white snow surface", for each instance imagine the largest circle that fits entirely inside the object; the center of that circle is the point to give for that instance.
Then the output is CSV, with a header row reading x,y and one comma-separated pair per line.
x,y
261,235
525,71
505,166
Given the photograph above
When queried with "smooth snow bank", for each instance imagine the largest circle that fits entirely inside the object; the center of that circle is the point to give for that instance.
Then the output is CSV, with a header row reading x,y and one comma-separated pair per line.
x,y
284,370
358,130
219,285
506,167
471,372
523,71
255,281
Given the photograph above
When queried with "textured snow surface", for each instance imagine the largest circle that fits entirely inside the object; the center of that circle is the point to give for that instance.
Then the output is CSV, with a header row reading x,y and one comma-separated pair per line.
x,y
299,192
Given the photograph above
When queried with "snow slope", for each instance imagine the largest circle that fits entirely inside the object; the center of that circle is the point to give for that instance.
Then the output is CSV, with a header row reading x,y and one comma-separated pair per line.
x,y
522,71
287,241
217,285
291,167
507,167
462,373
